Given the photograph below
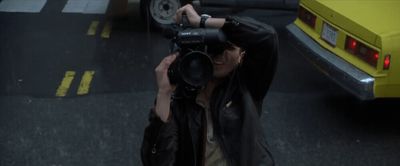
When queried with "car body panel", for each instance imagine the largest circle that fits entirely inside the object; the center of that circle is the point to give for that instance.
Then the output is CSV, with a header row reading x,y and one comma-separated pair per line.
x,y
392,47
380,22
349,19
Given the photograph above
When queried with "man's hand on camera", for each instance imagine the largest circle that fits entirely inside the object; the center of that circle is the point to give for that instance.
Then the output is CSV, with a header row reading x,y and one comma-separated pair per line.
x,y
165,89
161,70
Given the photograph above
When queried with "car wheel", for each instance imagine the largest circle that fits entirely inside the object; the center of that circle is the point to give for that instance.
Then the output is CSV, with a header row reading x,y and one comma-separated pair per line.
x,y
159,13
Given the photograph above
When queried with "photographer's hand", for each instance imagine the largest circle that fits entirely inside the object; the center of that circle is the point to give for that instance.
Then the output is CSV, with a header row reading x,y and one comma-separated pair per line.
x,y
165,89
194,18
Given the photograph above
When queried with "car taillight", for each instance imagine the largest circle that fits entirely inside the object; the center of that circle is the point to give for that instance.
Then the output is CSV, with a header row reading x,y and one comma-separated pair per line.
x,y
362,51
307,17
386,62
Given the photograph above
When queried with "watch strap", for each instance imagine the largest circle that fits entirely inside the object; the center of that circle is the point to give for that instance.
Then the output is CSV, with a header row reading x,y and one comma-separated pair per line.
x,y
203,19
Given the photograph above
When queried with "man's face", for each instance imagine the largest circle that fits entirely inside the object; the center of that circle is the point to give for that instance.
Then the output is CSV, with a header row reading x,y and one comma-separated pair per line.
x,y
227,61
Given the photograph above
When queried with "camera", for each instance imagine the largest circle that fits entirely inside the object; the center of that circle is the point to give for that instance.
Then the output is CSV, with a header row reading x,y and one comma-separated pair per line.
x,y
193,68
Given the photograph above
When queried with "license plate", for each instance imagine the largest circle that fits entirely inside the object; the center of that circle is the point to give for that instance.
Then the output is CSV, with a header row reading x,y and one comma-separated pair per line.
x,y
329,34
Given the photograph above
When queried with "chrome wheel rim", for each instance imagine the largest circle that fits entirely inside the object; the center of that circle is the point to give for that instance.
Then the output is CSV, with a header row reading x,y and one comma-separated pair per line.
x,y
163,11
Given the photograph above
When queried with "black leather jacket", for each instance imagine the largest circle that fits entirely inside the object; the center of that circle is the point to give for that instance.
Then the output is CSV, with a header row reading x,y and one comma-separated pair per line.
x,y
237,125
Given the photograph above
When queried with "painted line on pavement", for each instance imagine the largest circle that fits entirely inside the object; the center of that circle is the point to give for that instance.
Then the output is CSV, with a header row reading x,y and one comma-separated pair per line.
x,y
25,6
106,30
65,84
86,6
93,28
84,86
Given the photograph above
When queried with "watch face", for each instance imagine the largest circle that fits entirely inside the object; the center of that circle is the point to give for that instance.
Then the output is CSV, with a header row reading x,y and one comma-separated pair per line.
x,y
205,15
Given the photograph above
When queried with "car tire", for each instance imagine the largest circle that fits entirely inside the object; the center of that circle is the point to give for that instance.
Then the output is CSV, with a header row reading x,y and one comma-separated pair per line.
x,y
158,14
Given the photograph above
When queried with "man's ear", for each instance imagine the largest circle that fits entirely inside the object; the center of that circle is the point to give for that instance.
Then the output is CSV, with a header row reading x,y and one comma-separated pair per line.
x,y
242,54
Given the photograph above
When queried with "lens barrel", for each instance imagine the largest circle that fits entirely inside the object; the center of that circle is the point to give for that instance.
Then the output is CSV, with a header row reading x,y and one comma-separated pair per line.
x,y
194,69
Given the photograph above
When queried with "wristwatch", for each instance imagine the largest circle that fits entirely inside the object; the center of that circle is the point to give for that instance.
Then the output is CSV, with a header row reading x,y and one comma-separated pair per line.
x,y
203,19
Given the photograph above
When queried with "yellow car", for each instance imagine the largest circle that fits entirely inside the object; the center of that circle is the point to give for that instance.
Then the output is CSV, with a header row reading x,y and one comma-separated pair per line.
x,y
355,42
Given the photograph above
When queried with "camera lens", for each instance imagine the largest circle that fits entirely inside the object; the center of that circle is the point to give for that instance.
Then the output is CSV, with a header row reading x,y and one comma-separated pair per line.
x,y
196,68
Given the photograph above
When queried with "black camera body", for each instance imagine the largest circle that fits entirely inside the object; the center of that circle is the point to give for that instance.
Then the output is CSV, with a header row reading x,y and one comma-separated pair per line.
x,y
193,68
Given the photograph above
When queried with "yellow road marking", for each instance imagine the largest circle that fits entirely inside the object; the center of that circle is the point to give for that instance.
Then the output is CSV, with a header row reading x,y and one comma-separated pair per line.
x,y
84,86
93,28
106,30
65,84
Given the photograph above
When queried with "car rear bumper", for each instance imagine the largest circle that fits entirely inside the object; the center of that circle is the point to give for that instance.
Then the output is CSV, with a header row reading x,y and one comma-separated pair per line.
x,y
345,74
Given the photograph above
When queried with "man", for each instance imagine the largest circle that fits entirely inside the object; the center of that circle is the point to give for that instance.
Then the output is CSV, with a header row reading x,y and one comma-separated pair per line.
x,y
221,126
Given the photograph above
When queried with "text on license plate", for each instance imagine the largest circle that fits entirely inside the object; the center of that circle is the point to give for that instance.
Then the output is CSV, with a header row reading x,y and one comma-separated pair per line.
x,y
329,34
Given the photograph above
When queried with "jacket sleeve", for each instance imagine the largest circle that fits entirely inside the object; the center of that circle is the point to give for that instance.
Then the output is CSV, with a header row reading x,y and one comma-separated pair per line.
x,y
260,41
160,142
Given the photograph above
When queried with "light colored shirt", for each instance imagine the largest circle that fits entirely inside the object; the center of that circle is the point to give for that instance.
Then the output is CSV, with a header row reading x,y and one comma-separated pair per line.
x,y
213,153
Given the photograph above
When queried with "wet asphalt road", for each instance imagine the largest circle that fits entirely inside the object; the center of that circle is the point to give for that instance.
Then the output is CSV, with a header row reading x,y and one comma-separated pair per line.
x,y
308,119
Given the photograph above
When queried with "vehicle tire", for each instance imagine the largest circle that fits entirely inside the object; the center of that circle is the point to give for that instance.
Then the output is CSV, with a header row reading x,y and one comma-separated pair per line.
x,y
158,14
